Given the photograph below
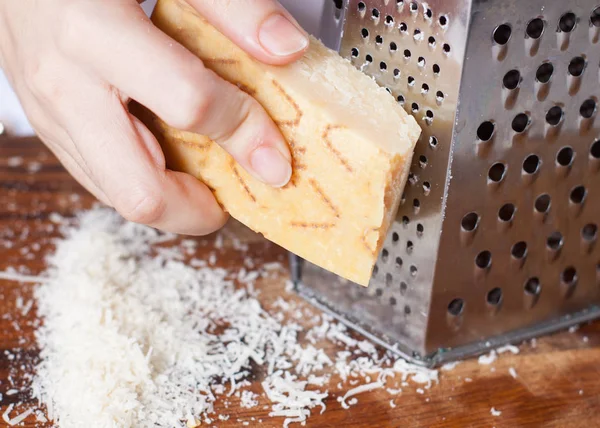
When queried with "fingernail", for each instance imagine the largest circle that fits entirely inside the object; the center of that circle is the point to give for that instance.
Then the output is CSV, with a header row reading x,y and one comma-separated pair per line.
x,y
280,37
271,166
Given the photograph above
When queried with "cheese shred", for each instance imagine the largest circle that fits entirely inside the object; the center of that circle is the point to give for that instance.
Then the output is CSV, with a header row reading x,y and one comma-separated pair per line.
x,y
136,335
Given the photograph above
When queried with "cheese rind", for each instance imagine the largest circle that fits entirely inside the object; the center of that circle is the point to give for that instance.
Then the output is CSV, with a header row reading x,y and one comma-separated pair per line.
x,y
351,145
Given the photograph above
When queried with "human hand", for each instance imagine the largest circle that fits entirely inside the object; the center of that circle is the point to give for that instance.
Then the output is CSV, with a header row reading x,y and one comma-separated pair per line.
x,y
75,64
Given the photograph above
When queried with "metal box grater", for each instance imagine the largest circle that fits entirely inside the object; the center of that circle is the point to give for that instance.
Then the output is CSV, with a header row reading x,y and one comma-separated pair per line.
x,y
496,237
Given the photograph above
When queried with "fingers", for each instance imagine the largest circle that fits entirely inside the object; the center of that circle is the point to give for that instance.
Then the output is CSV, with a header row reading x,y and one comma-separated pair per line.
x,y
263,28
151,68
127,164
78,173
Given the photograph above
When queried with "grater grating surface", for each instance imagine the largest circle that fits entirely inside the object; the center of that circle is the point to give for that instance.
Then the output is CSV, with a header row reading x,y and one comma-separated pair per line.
x,y
496,237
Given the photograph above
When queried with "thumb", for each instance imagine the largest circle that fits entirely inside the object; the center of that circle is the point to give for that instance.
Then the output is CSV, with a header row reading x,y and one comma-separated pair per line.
x,y
263,28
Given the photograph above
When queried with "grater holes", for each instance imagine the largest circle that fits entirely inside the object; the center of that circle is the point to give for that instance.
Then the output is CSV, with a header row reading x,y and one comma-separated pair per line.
x,y
393,301
531,164
565,156
395,238
428,14
588,108
542,203
436,70
403,28
429,117
577,66
443,21
589,232
423,161
507,212
412,178
400,99
385,255
567,22
364,33
578,195
416,205
411,83
355,52
417,35
379,292
420,230
512,79
519,250
470,222
396,73
361,6
485,131
414,7
378,40
535,28
483,260
494,297
414,106
410,246
456,307
497,172
520,122
389,279
431,41
407,54
399,262
426,191
339,4
555,241
446,48
595,150
413,271
439,97
502,34
368,58
544,72
375,13
569,278
407,310
595,17
389,20
382,66
433,144
421,62
393,47
532,286
424,88
554,116
405,221
403,288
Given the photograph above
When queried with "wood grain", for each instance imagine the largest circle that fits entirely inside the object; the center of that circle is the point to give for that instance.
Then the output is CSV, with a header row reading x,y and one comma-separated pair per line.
x,y
557,382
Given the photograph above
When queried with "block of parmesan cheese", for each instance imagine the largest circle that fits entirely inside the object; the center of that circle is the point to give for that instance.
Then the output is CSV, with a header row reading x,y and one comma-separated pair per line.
x,y
351,145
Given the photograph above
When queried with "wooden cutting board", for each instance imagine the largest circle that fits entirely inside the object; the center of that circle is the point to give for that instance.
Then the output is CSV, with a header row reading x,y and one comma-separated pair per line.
x,y
557,383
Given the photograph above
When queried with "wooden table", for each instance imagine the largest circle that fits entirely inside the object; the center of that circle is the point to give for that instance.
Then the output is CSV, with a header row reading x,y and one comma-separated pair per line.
x,y
557,383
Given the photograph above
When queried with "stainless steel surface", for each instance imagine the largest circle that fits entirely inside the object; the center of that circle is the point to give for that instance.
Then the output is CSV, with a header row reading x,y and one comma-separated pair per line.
x,y
497,232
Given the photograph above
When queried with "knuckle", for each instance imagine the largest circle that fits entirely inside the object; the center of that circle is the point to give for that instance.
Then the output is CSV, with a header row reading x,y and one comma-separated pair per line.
x,y
42,79
244,107
145,207
194,102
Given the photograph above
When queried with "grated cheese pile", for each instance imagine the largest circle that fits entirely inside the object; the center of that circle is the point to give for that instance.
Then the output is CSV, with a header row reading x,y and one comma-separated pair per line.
x,y
134,335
